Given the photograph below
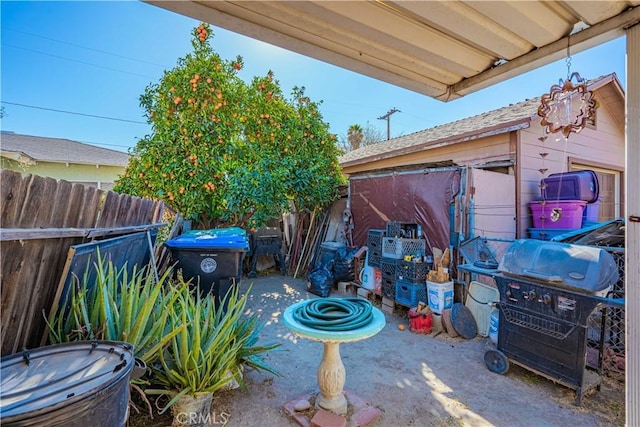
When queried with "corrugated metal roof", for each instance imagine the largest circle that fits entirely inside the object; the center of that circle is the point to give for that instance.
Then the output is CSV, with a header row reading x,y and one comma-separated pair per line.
x,y
505,119
59,150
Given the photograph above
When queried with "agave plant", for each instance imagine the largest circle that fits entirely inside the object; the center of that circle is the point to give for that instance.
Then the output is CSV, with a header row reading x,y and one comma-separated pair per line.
x,y
111,304
204,356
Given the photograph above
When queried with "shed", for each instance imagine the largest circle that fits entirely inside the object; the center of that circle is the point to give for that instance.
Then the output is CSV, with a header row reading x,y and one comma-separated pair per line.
x,y
494,163
61,158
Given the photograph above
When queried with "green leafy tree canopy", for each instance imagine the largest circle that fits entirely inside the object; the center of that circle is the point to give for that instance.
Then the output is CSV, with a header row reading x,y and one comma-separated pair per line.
x,y
225,152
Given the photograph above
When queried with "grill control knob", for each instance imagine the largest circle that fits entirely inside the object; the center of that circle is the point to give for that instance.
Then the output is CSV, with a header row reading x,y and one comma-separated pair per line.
x,y
546,299
532,295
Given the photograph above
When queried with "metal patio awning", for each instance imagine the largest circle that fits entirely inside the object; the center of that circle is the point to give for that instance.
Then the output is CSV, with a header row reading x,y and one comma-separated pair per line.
x,y
442,49
448,49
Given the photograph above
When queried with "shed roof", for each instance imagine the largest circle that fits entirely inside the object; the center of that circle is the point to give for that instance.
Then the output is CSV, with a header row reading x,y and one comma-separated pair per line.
x,y
506,119
58,150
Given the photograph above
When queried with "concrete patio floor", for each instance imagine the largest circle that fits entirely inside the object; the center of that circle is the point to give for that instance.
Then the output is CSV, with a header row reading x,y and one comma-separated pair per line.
x,y
415,380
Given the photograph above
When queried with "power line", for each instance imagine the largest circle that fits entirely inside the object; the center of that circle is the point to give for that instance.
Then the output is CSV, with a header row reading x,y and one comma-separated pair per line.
x,y
84,47
73,112
75,60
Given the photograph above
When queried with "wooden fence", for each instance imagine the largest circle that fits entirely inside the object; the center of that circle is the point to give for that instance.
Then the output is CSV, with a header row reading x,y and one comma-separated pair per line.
x,y
40,219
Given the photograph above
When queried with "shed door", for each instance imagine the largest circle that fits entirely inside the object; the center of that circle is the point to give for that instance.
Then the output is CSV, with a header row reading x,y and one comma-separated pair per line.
x,y
493,210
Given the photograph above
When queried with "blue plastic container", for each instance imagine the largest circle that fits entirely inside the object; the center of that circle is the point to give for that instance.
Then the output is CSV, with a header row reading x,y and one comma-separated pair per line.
x,y
212,259
547,233
493,325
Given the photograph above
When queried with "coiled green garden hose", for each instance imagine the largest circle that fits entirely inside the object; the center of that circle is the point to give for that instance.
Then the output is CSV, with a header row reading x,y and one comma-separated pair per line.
x,y
335,314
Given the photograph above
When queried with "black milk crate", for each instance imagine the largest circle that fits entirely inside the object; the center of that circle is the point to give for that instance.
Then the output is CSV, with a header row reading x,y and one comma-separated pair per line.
x,y
410,294
389,288
412,271
398,248
402,229
374,260
374,241
388,267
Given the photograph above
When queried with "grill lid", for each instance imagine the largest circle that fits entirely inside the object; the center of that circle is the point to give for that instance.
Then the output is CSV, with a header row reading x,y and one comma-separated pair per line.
x,y
584,269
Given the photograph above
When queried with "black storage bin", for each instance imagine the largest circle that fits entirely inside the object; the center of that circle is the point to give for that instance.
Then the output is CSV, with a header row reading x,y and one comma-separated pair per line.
x,y
74,384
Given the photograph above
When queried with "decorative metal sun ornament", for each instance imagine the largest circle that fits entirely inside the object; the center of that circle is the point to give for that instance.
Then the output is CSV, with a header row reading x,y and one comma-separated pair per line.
x,y
568,107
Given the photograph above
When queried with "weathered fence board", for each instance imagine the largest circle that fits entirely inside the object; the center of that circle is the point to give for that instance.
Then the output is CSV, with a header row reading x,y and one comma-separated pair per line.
x,y
60,204
14,191
43,218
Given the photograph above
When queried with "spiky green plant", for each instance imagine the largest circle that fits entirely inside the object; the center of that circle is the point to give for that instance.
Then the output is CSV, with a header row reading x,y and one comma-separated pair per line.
x,y
216,340
111,304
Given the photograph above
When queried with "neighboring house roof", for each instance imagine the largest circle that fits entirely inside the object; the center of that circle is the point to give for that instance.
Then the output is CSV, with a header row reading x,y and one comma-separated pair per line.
x,y
32,149
505,119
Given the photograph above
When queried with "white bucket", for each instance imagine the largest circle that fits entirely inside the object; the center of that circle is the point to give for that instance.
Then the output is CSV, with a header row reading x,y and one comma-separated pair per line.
x,y
493,325
440,296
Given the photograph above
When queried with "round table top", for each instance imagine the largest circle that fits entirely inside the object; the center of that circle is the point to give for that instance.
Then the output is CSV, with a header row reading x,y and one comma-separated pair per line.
x,y
303,331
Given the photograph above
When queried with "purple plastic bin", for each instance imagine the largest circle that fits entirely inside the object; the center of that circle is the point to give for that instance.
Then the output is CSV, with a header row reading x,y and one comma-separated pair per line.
x,y
557,213
578,185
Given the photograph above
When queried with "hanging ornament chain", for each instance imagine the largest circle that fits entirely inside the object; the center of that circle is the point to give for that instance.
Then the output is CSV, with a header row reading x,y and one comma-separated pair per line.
x,y
568,59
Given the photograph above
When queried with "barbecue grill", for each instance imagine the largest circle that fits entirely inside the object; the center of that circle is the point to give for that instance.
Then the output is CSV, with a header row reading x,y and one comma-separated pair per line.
x,y
548,290
266,241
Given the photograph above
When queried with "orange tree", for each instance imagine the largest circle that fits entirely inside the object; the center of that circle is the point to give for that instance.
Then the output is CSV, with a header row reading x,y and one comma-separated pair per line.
x,y
224,152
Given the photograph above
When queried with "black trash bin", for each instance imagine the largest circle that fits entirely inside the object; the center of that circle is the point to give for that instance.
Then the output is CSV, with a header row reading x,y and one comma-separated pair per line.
x,y
212,259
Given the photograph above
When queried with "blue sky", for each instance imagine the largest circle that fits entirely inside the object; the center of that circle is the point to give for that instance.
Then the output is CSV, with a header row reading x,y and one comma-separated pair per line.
x,y
96,58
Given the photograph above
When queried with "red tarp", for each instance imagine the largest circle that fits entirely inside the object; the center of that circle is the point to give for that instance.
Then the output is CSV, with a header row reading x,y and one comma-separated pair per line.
x,y
422,197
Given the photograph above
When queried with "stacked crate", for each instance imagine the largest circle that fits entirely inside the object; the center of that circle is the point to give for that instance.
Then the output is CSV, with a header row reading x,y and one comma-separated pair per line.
x,y
388,270
403,229
374,247
403,272
411,278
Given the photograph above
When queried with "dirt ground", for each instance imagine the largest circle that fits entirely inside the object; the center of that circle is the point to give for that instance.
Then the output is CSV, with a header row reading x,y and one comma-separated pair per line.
x,y
415,380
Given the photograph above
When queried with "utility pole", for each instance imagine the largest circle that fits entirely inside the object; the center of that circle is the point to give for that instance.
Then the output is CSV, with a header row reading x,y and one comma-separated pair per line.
x,y
387,118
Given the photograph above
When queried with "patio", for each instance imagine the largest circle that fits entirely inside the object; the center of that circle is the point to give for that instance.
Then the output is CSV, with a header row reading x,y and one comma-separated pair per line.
x,y
426,380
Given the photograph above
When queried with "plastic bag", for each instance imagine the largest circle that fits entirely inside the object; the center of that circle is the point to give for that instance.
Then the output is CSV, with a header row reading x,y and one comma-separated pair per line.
x,y
343,265
320,280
